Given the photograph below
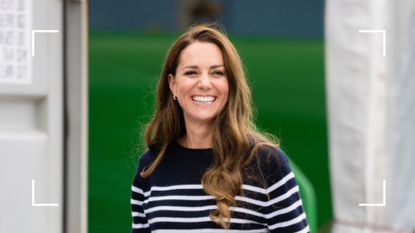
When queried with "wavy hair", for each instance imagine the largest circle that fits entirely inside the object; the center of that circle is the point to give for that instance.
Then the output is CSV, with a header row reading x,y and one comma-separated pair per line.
x,y
235,137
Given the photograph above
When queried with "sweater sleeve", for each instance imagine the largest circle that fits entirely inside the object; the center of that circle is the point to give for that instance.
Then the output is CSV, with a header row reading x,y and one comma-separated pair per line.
x,y
284,211
139,191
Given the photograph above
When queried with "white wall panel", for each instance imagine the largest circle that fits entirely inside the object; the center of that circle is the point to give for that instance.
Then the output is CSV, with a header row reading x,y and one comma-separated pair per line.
x,y
31,125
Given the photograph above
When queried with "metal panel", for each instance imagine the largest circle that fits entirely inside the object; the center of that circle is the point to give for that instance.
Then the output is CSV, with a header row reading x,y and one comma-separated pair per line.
x,y
76,31
31,120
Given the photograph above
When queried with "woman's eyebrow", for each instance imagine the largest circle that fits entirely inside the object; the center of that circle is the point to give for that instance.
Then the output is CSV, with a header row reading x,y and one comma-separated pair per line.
x,y
190,67
196,67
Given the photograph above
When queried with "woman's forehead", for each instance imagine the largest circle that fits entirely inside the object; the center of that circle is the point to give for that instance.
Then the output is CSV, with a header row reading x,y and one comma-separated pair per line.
x,y
201,54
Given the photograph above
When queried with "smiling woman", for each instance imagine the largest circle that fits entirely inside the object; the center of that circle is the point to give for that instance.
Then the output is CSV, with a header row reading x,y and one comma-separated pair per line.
x,y
207,168
201,88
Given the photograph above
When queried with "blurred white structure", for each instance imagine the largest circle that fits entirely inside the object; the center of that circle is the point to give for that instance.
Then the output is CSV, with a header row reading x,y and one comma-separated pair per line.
x,y
371,103
43,116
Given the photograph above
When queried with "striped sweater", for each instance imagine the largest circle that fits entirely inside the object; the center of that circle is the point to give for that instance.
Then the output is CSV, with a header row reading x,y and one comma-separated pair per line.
x,y
172,198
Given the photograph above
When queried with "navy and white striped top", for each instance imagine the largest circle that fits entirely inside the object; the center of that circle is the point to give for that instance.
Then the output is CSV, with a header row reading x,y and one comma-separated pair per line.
x,y
172,198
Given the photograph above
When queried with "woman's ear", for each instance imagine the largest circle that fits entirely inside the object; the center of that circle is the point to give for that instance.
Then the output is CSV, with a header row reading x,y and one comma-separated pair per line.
x,y
172,84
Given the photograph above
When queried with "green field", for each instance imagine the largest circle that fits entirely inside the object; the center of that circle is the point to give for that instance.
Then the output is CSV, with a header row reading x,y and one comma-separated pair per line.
x,y
287,79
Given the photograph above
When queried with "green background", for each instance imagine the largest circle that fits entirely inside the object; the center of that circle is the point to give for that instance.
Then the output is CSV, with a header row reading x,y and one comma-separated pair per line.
x,y
287,80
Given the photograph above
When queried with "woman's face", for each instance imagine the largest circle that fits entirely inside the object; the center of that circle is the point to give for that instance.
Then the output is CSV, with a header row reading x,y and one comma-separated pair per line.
x,y
200,84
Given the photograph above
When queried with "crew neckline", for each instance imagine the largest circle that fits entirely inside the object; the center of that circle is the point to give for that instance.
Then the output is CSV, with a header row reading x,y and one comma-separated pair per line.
x,y
192,149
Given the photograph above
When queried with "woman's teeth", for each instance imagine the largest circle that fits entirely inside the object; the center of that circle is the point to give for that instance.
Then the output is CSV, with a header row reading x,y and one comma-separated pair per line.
x,y
204,99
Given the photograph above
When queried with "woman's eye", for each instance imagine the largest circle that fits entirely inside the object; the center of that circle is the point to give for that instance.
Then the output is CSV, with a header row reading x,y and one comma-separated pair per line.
x,y
218,73
190,73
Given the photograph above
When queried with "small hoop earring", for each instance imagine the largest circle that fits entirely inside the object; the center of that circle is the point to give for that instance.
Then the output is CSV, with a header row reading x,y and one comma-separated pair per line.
x,y
175,97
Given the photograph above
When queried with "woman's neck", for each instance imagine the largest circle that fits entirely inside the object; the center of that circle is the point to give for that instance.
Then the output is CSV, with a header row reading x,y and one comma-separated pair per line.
x,y
197,136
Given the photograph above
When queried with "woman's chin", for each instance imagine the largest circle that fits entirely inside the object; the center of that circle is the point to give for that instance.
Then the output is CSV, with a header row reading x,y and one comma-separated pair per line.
x,y
204,119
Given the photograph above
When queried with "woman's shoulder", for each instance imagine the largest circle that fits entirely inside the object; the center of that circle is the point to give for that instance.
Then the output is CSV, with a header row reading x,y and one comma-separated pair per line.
x,y
271,154
271,160
146,158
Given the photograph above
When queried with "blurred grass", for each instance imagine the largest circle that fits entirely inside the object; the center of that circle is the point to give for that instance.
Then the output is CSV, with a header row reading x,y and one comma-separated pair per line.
x,y
287,79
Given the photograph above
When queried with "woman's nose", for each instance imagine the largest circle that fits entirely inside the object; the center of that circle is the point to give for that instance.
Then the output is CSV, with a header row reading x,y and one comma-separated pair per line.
x,y
205,81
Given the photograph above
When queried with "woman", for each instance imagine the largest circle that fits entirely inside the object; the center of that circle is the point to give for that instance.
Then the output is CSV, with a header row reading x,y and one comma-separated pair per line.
x,y
207,168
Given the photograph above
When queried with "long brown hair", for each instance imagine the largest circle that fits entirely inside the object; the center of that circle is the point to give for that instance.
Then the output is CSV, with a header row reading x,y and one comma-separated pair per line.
x,y
234,133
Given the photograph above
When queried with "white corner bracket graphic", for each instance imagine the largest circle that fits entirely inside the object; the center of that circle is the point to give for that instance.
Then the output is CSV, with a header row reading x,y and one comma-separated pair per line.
x,y
39,31
34,204
383,38
383,204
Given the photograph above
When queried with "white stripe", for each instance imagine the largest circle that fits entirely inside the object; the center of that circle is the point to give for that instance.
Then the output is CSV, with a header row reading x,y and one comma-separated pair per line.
x,y
173,187
210,231
138,214
201,208
270,215
196,220
254,189
305,230
272,187
292,207
177,197
200,187
271,202
288,223
140,225
180,208
247,211
280,182
166,188
136,202
137,190
284,196
140,191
